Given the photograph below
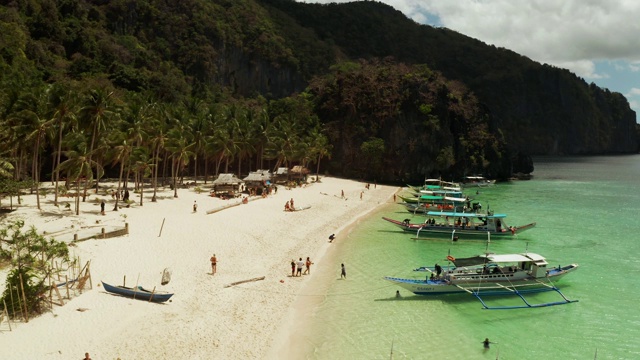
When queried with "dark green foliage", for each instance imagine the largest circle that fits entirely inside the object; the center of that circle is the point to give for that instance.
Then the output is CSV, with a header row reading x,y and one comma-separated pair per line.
x,y
12,294
441,102
422,123
31,255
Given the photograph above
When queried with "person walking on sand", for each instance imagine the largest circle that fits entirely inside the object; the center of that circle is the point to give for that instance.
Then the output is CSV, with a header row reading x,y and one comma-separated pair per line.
x,y
293,268
343,272
195,206
300,264
102,207
307,267
214,262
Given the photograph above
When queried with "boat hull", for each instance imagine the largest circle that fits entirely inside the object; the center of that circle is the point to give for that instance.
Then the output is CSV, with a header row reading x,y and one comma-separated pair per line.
x,y
138,293
461,232
491,284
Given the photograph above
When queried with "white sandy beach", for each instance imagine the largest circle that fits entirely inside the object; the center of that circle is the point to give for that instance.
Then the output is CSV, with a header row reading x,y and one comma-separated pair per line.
x,y
205,319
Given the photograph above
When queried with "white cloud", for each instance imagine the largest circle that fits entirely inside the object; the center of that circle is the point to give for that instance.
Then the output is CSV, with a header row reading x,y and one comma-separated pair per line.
x,y
633,92
565,33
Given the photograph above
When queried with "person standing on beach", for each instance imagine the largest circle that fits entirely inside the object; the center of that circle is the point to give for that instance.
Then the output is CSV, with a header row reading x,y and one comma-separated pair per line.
x,y
343,272
342,194
214,262
195,206
102,207
86,356
300,265
293,268
291,204
307,269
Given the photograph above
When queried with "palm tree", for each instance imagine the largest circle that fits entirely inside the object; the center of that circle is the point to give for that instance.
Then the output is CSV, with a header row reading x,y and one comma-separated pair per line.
x,y
96,109
180,144
319,148
120,154
31,118
79,165
142,166
61,103
199,125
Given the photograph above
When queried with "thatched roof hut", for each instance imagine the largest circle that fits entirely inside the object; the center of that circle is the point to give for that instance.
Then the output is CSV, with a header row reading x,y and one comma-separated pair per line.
x,y
259,176
299,172
226,183
281,175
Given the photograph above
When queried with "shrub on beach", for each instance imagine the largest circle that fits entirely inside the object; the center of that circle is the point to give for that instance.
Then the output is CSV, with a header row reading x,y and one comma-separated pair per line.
x,y
31,256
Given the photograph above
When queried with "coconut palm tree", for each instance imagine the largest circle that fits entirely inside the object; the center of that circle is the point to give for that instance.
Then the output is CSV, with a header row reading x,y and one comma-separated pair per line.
x,y
61,102
31,119
142,165
180,144
98,106
79,165
319,147
120,154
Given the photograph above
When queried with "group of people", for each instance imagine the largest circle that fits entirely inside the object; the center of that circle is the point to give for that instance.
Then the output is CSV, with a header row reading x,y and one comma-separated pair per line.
x,y
289,206
122,194
296,267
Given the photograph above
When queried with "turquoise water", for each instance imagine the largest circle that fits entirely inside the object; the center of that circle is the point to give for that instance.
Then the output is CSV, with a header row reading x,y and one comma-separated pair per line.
x,y
586,210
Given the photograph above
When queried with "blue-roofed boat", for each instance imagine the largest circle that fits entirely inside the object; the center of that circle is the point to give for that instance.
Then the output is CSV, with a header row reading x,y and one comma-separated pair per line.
x,y
138,293
462,225
491,274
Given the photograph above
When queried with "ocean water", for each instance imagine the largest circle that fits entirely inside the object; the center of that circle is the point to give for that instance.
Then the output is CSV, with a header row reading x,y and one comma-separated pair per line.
x,y
586,209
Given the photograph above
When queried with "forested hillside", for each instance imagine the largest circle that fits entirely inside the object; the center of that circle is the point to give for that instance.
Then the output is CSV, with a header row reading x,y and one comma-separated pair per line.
x,y
203,86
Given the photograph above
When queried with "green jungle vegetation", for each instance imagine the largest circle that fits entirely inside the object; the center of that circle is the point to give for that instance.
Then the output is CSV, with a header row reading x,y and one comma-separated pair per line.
x,y
156,88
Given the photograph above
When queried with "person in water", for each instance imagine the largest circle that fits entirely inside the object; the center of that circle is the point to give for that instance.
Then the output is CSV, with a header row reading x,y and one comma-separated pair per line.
x,y
486,343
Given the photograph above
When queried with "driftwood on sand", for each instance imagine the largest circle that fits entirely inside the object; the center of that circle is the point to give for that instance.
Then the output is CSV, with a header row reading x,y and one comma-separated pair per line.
x,y
244,281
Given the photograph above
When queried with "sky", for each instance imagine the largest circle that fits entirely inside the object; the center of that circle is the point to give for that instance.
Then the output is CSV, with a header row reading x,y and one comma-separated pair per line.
x,y
598,40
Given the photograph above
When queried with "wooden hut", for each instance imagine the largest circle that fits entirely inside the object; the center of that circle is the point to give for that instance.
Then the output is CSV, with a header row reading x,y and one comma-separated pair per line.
x,y
257,181
281,176
226,185
299,173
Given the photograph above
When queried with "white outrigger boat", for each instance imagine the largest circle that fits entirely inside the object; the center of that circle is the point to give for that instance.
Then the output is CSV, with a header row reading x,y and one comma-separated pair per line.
x,y
492,274
477,181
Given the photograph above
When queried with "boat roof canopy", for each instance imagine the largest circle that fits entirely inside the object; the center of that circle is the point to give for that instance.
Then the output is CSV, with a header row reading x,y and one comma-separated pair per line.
x,y
499,258
471,215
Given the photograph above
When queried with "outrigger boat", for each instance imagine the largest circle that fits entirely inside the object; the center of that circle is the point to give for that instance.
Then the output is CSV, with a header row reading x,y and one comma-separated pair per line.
x,y
462,224
437,184
492,274
138,293
477,181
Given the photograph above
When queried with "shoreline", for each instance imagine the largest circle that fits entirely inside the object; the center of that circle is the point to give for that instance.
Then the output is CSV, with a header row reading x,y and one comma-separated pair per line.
x,y
293,335
205,318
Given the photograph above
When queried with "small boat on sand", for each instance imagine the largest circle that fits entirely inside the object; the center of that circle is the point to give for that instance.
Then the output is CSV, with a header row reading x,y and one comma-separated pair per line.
x,y
138,293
